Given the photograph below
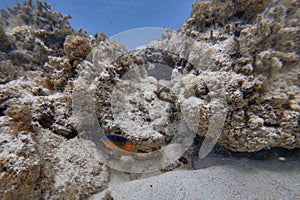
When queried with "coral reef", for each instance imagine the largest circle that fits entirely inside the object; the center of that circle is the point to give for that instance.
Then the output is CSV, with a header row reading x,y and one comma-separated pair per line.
x,y
21,166
261,61
73,168
39,157
249,49
206,14
76,48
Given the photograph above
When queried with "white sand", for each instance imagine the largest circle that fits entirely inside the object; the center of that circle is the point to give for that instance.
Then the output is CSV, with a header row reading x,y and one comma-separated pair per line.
x,y
230,179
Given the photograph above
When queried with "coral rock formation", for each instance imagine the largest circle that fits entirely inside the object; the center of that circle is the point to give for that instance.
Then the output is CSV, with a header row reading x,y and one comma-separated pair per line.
x,y
250,47
262,60
76,48
39,157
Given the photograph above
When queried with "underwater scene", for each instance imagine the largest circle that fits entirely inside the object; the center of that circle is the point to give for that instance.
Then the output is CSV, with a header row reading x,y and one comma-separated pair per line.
x,y
143,100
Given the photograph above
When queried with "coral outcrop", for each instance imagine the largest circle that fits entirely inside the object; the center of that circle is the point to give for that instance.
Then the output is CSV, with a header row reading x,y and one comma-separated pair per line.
x,y
258,67
246,52
39,157
214,13
76,48
261,59
21,166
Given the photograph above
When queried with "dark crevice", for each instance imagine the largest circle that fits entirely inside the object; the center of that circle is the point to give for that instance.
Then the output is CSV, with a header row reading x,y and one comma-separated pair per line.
x,y
271,125
220,154
73,134
239,15
2,110
46,121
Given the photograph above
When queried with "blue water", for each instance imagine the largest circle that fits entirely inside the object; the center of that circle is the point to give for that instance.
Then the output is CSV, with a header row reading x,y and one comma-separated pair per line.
x,y
112,17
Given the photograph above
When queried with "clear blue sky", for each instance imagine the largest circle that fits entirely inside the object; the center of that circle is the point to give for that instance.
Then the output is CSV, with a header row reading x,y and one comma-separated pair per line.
x,y
115,16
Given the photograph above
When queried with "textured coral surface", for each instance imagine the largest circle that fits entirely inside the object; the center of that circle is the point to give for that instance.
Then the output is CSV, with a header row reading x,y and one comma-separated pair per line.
x,y
40,156
260,55
246,52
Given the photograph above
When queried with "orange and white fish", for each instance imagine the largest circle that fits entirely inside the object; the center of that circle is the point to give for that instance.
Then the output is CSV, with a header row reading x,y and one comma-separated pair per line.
x,y
117,142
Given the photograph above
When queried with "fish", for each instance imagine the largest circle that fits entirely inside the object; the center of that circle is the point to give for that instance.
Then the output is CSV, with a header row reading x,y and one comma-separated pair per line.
x,y
117,142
